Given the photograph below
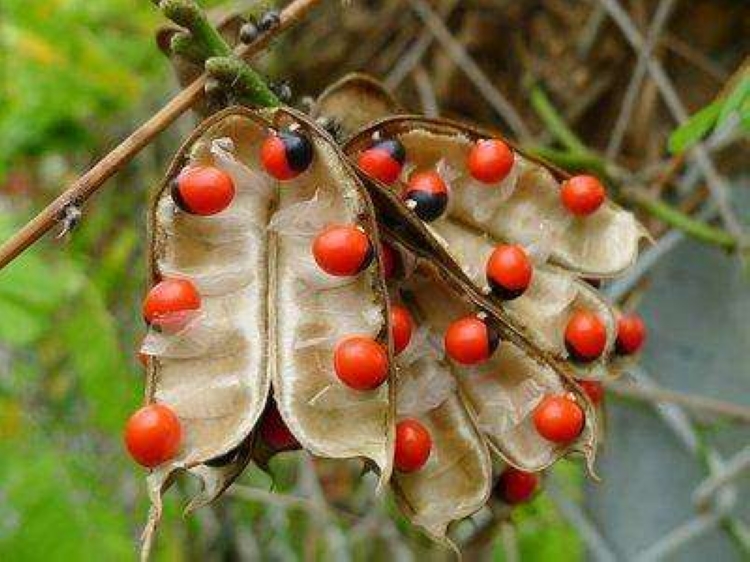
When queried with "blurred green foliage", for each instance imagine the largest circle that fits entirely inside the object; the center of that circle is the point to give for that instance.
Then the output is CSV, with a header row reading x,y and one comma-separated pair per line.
x,y
75,76
735,104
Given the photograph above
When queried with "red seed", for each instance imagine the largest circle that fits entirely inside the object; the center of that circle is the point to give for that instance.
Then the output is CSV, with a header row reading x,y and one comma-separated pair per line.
x,y
153,435
401,327
342,250
286,154
631,334
509,271
383,161
203,190
169,302
558,419
516,486
413,445
470,341
274,431
391,260
585,336
594,390
360,362
490,161
582,195
427,195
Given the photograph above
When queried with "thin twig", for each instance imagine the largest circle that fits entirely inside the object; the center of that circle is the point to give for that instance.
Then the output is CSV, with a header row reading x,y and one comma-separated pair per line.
x,y
735,467
509,539
680,424
554,121
426,92
587,529
476,75
416,51
661,16
288,501
702,404
716,184
678,537
672,216
89,183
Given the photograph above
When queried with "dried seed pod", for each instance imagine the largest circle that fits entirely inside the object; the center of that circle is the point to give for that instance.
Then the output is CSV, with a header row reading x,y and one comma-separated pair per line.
x,y
457,403
540,307
456,479
268,313
524,208
355,101
502,391
543,310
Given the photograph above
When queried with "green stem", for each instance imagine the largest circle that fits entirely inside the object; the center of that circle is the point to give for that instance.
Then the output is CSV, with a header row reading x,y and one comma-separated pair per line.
x,y
579,156
554,121
243,81
220,63
571,160
189,15
183,44
676,218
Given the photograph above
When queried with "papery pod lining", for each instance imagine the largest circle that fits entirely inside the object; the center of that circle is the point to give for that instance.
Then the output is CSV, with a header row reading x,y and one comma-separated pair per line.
x,y
457,479
462,254
544,309
330,432
201,248
601,245
354,101
502,393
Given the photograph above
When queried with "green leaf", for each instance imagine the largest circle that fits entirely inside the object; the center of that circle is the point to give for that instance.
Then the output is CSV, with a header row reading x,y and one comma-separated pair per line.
x,y
736,99
695,128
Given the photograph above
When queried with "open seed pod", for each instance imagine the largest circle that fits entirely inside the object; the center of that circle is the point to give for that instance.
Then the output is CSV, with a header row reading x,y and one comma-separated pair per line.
x,y
502,391
269,313
522,208
553,294
455,480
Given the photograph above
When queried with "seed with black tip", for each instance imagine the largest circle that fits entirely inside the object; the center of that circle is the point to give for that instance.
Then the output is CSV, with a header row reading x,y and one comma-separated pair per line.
x,y
426,195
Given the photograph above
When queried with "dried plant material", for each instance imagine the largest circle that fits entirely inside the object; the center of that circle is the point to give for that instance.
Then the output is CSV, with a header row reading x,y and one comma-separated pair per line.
x,y
456,480
527,210
354,101
502,392
545,308
269,314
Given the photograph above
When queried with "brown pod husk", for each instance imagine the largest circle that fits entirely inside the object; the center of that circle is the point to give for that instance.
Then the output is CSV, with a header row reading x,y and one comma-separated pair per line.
x,y
524,208
354,101
457,479
541,313
501,393
268,314
522,354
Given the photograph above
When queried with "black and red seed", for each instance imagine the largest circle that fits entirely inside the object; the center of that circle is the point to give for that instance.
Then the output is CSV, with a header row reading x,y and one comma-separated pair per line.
x,y
202,190
471,340
509,271
426,195
383,161
286,154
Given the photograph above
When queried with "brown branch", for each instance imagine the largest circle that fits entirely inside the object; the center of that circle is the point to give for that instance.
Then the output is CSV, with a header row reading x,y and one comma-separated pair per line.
x,y
90,182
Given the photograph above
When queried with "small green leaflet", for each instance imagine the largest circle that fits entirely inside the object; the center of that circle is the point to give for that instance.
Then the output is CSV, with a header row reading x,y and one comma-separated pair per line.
x,y
713,116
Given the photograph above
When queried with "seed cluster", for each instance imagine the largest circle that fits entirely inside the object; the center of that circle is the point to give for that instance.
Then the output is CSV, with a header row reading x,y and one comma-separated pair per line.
x,y
509,269
505,336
